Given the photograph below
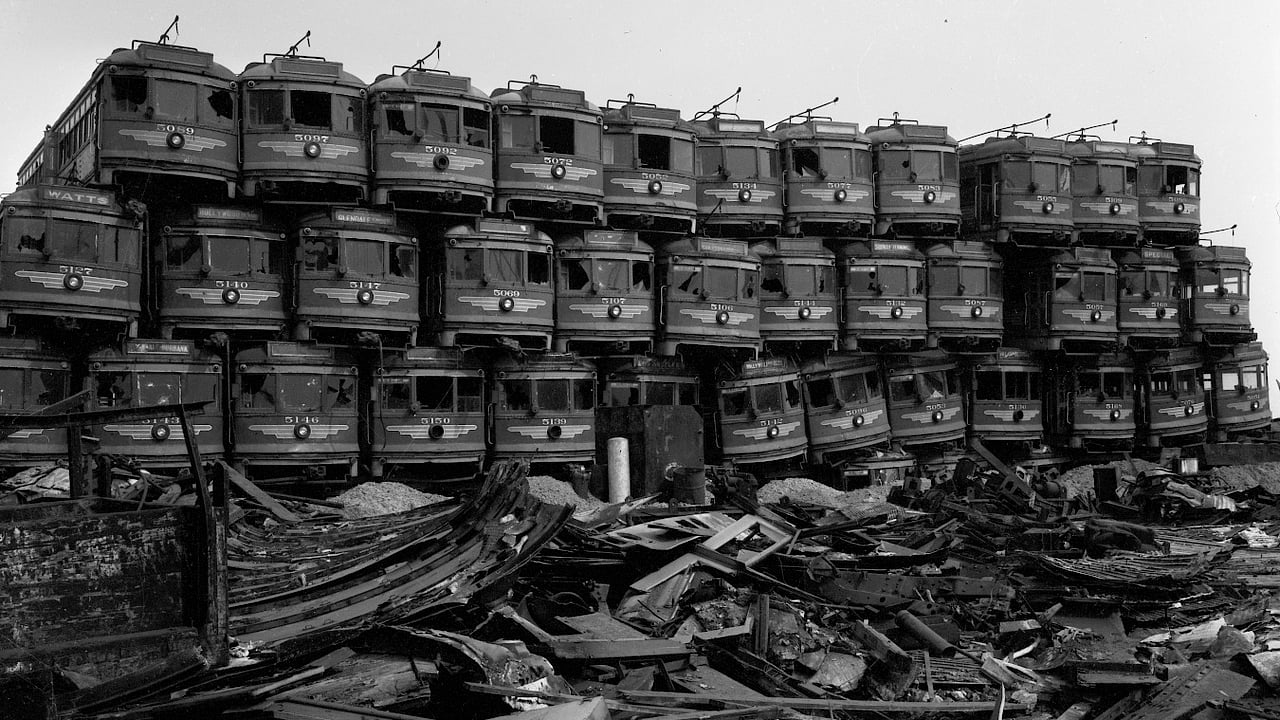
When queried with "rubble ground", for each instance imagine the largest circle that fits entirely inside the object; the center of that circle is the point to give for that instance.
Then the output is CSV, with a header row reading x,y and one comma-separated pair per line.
x,y
372,499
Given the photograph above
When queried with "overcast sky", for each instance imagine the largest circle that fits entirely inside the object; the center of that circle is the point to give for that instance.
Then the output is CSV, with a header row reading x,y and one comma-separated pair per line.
x,y
1194,72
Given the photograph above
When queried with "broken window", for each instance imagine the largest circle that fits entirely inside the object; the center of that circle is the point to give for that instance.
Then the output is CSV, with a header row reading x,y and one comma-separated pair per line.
x,y
822,392
517,394
641,275
556,135
688,280
221,105
574,275
311,109
584,394
129,94
258,390
613,275
470,392
805,162
115,389
768,398
397,120
465,264
623,394
734,402
988,385
157,388
183,252
440,123
475,127
687,393
654,151
394,393
301,392
539,268
320,254
434,392
404,261
74,240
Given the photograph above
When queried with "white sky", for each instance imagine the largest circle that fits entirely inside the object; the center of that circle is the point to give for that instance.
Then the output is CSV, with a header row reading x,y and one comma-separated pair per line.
x,y
1196,72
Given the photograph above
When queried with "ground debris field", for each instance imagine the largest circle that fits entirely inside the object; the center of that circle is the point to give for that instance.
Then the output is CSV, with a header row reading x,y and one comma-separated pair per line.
x,y
1142,594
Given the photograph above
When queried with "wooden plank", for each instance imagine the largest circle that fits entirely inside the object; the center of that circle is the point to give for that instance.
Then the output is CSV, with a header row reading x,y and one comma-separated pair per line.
x,y
653,697
598,649
244,485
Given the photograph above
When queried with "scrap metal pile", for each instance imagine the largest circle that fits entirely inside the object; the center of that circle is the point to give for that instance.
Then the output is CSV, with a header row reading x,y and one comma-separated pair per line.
x,y
1150,596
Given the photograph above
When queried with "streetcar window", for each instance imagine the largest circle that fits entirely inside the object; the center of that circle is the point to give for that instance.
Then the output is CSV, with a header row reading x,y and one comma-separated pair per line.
x,y
862,164
300,392
394,393
768,398
1162,383
198,386
1033,380
28,233
710,160
973,280
1230,380
1235,282
320,253
1115,384
681,155
587,140
470,394
49,386
1094,286
11,388
539,268
266,107
1066,287
688,279
944,279
1250,377
404,261
555,135
466,264
1185,382
311,109
348,114
1044,177
434,392
182,252
1207,280
654,151
173,101
1193,182
933,384
258,390
397,119
475,127
791,388
721,282
552,394
1150,179
268,257
660,393
1017,385
613,275
120,245
439,123
517,394
872,382
837,162
768,162
903,388
826,278
505,266
617,150
740,162
895,164
893,280
1131,282
987,386
862,279
805,162
688,393
800,279
1161,283
623,394
584,394
734,402
927,166
749,280
853,388
339,392
641,275
950,166
1111,178
1089,383
1017,175
155,388
221,104
772,278
517,131
115,389
574,275
74,240
1130,179
822,392
229,254
128,93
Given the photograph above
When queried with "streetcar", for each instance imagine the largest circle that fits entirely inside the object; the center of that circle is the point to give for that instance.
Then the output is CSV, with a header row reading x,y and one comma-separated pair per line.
x,y
221,269
1168,191
1089,403
917,179
649,183
432,150
1061,300
648,380
1148,298
799,298
925,401
489,282
547,158
425,412
1017,188
1005,404
294,413
604,296
1238,393
158,120
844,408
739,186
1172,402
829,180
143,373
33,376
73,254
542,410
759,417
708,295
1215,295
356,275
883,296
1103,186
303,131
964,296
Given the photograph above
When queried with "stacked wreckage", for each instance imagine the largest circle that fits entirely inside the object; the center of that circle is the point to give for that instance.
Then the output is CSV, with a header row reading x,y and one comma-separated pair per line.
x,y
222,287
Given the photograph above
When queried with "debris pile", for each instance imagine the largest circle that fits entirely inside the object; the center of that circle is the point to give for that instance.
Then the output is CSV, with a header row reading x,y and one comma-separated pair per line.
x,y
371,499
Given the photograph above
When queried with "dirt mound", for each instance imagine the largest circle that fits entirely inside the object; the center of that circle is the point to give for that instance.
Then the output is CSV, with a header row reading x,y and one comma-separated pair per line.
x,y
558,492
1079,480
384,498
1242,477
